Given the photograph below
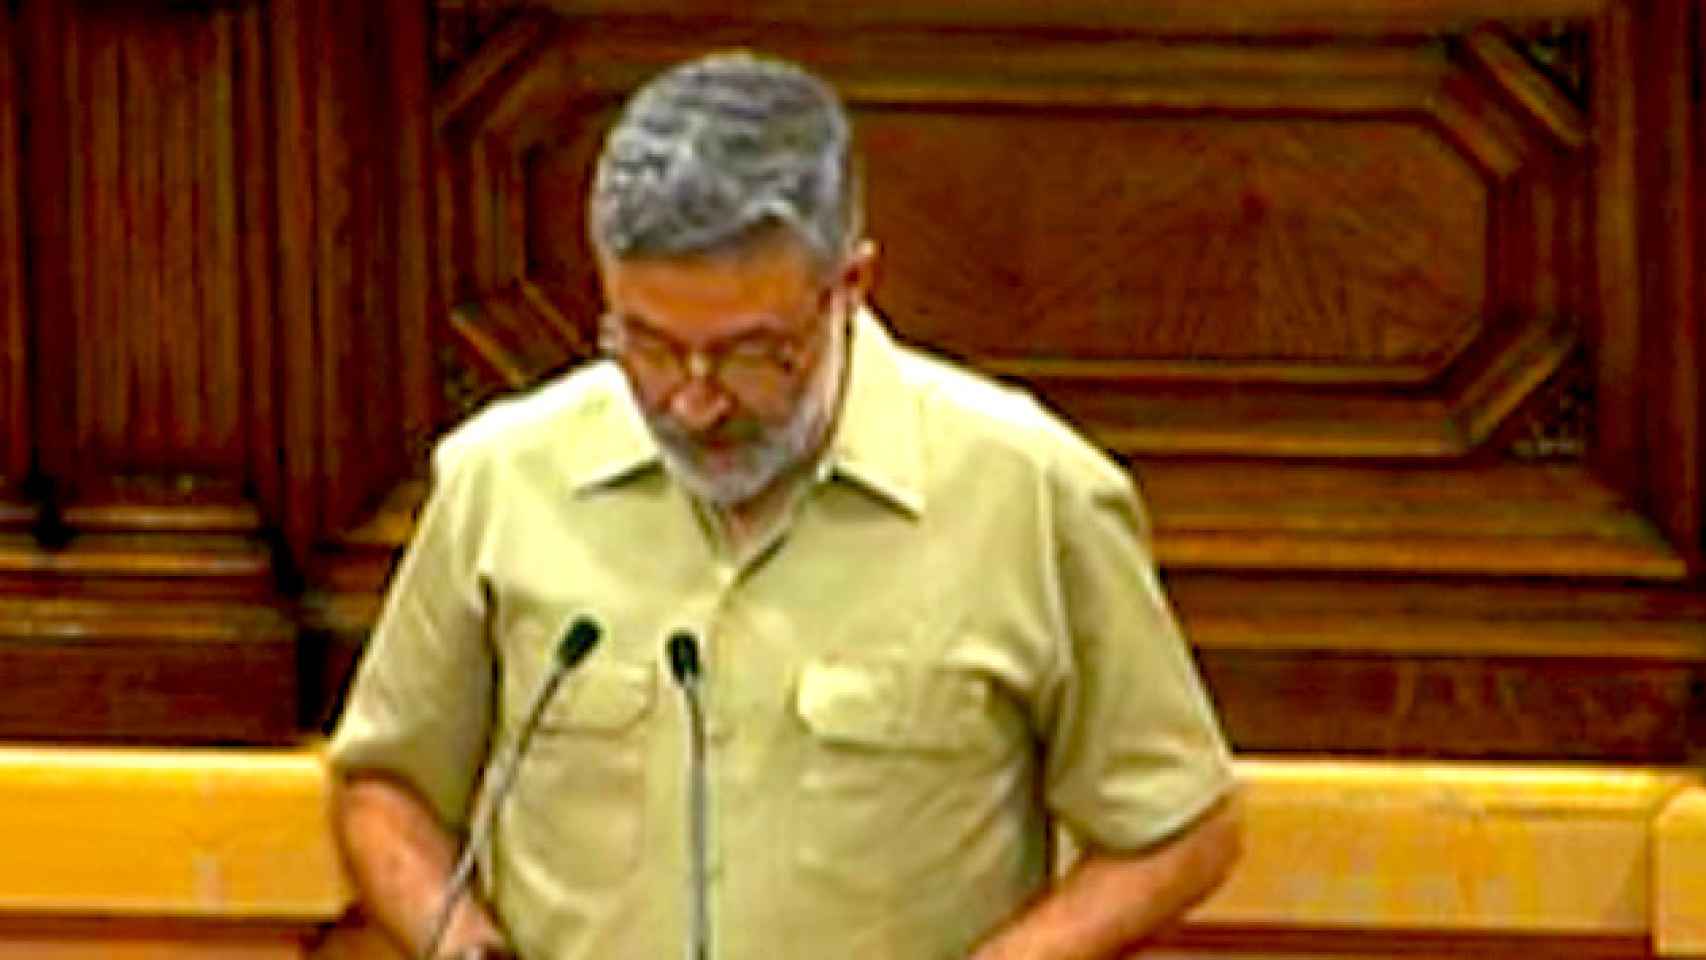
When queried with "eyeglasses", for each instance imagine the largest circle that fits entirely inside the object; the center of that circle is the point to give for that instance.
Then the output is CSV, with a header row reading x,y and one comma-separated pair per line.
x,y
755,366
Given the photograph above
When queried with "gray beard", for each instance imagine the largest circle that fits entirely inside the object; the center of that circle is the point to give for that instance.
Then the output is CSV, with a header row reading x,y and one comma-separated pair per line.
x,y
767,457
757,464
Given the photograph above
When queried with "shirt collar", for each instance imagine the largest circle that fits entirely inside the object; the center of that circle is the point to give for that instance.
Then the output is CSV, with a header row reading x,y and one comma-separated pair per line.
x,y
877,440
610,442
875,446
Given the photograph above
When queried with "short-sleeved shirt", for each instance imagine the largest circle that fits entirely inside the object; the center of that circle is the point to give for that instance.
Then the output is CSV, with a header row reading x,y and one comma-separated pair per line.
x,y
958,642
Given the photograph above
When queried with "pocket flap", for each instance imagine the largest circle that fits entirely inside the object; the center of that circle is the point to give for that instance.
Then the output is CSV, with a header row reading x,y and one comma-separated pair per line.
x,y
848,702
605,697
891,703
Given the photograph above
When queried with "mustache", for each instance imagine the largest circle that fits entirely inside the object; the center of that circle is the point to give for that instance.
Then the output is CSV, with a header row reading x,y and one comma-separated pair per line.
x,y
729,433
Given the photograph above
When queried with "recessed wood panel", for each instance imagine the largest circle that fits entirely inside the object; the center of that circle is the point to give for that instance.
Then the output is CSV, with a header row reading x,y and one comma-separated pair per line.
x,y
159,375
1209,240
1363,239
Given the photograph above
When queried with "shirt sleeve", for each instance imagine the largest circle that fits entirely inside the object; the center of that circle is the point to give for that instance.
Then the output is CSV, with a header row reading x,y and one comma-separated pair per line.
x,y
419,707
1134,751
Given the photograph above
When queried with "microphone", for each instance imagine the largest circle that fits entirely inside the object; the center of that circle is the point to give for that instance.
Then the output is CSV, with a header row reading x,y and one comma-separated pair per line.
x,y
684,664
684,658
582,636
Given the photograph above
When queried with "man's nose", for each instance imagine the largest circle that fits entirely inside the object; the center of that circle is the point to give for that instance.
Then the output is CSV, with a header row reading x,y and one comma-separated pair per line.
x,y
699,403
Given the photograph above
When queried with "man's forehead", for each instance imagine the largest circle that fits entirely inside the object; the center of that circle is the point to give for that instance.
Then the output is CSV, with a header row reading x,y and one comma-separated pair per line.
x,y
710,295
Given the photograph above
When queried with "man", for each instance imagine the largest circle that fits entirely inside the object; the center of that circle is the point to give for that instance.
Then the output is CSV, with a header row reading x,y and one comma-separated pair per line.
x,y
930,626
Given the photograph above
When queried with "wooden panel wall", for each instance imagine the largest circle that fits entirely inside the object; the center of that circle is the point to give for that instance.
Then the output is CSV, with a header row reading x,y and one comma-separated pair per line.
x,y
1393,308
212,246
1389,306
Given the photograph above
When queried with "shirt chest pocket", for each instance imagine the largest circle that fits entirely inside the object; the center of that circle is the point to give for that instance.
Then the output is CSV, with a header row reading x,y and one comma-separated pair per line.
x,y
880,705
903,762
579,805
602,698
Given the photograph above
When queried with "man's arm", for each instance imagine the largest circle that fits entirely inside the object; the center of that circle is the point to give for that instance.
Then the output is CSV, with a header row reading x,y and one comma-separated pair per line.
x,y
1110,902
400,858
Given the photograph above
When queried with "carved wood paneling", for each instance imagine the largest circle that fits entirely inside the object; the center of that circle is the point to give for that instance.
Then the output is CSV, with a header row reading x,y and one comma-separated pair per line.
x,y
353,230
1383,308
1290,250
1241,242
1562,50
223,215
1397,300
457,32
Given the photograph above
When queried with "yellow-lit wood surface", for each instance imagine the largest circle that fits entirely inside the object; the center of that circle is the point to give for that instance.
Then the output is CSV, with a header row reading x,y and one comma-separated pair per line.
x,y
220,834
1679,877
1427,846
225,853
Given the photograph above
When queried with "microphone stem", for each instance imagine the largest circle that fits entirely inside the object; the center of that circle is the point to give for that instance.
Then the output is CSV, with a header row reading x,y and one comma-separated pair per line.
x,y
485,814
698,879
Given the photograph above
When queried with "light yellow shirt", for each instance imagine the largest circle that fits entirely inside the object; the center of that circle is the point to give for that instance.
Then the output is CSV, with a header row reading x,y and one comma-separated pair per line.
x,y
958,640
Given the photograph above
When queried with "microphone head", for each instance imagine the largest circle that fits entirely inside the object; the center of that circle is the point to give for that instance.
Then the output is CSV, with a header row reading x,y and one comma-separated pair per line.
x,y
684,657
583,635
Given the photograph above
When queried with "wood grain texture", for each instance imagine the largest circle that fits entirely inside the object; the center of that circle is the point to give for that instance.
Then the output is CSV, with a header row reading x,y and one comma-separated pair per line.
x,y
292,34
1672,265
1616,337
1447,707
1205,241
338,233
15,410
129,671
158,380
1552,521
219,276
414,304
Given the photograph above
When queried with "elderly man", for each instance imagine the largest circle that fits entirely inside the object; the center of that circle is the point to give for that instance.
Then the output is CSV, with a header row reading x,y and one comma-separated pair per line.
x,y
928,623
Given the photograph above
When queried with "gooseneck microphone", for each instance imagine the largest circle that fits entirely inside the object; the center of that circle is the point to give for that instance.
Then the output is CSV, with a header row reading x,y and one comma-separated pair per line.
x,y
684,663
581,637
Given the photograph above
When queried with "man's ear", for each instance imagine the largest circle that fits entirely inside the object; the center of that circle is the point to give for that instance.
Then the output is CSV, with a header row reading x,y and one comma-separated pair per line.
x,y
859,271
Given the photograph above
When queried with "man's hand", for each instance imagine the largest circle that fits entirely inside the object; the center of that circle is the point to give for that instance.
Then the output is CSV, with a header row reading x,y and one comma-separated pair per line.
x,y
1111,902
400,858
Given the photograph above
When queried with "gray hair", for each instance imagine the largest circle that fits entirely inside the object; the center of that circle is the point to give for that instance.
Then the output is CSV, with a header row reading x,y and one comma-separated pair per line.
x,y
712,151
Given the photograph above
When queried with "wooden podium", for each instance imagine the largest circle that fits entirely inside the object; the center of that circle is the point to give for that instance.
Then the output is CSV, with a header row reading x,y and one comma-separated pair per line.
x,y
133,854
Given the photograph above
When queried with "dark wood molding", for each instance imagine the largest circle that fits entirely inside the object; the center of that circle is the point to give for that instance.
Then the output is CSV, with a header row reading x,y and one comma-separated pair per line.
x,y
127,669
1164,17
1230,942
17,447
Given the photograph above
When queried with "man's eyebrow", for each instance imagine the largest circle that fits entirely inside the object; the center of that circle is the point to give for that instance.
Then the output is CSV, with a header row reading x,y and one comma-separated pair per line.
x,y
767,328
